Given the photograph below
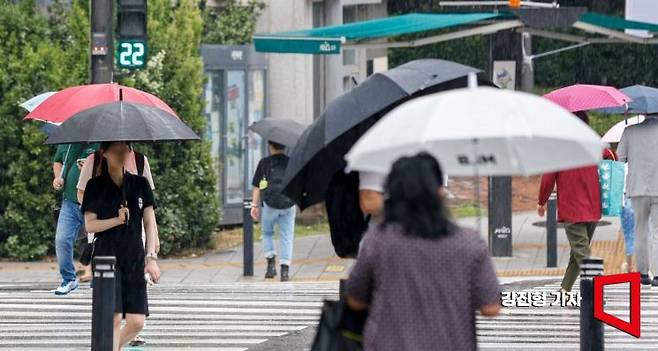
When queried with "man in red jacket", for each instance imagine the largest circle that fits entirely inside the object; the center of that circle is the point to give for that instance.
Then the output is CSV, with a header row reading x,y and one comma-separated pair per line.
x,y
578,207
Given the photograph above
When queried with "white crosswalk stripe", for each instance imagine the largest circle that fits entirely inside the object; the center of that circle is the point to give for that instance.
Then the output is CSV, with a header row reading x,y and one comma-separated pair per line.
x,y
224,317
558,328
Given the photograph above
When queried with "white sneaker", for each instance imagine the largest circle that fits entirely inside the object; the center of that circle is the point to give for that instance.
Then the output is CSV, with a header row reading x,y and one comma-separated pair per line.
x,y
66,288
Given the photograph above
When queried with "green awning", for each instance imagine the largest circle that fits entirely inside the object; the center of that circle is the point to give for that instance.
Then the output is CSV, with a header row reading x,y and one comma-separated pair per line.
x,y
328,40
617,23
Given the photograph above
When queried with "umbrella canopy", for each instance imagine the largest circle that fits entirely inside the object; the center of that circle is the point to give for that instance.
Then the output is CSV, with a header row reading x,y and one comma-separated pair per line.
x,y
613,135
319,154
124,121
644,101
64,104
505,133
49,128
584,97
279,130
35,101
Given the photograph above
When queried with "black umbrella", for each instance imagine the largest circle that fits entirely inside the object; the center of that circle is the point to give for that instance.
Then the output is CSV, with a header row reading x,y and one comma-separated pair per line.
x,y
121,121
48,128
279,130
319,153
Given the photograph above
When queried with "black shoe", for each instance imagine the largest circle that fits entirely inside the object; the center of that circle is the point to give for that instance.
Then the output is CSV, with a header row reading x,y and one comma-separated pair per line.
x,y
271,268
644,279
284,273
655,281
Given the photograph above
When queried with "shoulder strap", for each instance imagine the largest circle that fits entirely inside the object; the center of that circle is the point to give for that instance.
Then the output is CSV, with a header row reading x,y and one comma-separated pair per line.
x,y
68,164
267,167
612,154
139,161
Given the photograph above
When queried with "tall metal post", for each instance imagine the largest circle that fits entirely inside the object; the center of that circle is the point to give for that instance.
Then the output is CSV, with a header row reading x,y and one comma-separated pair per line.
x,y
591,329
102,38
103,304
102,65
551,231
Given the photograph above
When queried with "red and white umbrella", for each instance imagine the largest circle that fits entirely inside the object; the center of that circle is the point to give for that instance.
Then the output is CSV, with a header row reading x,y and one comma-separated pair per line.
x,y
60,106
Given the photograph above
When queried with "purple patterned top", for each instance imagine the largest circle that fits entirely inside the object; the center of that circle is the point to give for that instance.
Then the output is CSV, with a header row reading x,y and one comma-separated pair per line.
x,y
422,293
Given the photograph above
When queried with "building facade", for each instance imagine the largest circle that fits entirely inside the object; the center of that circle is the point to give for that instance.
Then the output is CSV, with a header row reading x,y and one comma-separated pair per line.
x,y
244,86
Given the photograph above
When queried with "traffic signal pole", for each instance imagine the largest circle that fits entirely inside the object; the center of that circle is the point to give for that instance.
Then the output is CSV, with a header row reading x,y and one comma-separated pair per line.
x,y
102,38
102,65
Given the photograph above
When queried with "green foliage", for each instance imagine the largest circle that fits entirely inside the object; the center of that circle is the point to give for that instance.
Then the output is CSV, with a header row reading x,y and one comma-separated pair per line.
x,y
609,64
38,57
46,53
601,123
232,24
184,173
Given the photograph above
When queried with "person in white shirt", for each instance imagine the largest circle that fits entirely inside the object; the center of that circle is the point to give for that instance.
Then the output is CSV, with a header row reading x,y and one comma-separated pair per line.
x,y
371,192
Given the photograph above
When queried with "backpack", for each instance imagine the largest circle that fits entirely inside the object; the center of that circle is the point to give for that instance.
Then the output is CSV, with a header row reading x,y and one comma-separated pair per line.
x,y
139,161
273,193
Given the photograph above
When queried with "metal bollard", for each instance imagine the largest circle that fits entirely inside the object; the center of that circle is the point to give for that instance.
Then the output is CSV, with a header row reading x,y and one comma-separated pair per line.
x,y
551,231
342,285
248,239
103,304
591,329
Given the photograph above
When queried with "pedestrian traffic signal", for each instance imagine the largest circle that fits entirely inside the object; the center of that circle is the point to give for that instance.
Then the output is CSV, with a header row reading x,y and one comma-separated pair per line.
x,y
132,46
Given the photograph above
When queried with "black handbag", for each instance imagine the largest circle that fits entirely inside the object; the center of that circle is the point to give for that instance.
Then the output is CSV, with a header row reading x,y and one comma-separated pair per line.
x,y
340,328
88,252
55,216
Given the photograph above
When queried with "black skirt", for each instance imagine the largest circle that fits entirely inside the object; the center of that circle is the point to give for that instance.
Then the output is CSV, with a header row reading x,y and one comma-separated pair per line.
x,y
130,292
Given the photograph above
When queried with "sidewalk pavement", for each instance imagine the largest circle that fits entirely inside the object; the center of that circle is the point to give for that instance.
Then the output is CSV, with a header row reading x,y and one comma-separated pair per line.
x,y
315,260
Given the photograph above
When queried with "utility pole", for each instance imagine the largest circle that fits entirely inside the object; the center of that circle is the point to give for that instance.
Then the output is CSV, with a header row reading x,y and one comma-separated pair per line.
x,y
102,65
506,46
102,39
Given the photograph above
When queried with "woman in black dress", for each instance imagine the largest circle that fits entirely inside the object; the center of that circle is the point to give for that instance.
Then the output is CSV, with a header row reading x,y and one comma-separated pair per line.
x,y
114,205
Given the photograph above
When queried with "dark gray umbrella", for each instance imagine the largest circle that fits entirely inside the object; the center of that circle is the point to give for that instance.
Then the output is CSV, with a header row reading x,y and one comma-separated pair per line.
x,y
279,130
48,128
122,121
319,153
644,101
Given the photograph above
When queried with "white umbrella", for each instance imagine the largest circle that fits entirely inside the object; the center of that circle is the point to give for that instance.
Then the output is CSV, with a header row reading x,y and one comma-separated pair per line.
x,y
480,131
613,135
35,101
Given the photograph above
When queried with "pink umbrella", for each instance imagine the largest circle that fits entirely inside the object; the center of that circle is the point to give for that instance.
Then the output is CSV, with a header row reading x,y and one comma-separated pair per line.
x,y
583,97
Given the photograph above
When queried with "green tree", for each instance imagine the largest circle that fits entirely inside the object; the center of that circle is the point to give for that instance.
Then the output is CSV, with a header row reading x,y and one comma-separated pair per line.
x,y
609,64
185,177
45,53
233,23
38,57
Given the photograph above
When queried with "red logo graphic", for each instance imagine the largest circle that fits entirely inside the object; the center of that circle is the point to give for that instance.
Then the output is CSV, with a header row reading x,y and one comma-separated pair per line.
x,y
632,327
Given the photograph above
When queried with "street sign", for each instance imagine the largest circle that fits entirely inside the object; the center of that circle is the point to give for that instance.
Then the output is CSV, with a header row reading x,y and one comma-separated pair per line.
x,y
300,45
131,53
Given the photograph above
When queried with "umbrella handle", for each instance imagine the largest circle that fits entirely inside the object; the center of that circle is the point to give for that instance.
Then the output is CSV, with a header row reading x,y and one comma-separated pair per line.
x,y
123,191
478,211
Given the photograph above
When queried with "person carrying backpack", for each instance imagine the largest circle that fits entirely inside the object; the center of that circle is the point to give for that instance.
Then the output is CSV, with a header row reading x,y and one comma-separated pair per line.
x,y
276,208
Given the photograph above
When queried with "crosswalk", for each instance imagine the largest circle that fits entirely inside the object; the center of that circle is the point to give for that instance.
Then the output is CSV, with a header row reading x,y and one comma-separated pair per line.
x,y
557,327
220,317
242,316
